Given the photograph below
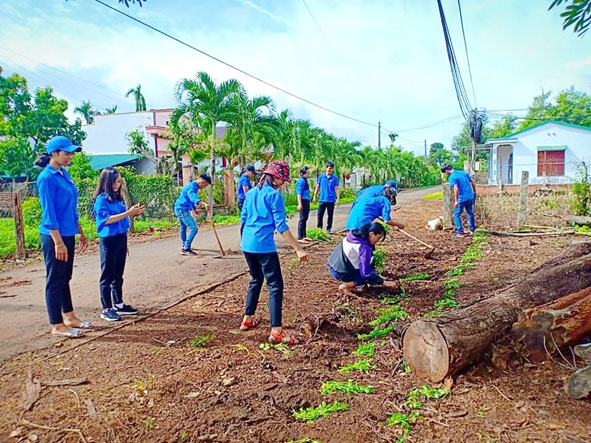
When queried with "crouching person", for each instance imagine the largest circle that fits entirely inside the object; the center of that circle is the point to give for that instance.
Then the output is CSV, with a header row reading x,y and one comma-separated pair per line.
x,y
350,262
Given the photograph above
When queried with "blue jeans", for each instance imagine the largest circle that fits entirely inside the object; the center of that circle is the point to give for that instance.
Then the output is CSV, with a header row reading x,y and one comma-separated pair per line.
x,y
468,206
265,266
113,251
187,221
355,277
57,281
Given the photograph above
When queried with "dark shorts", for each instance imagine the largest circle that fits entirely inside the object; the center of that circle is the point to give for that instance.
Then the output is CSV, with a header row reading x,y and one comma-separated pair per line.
x,y
346,277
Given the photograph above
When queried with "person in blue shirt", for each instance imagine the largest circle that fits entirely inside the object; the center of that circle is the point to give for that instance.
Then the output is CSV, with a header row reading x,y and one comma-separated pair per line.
x,y
59,225
370,208
330,194
112,223
375,190
244,184
464,194
303,194
263,213
184,208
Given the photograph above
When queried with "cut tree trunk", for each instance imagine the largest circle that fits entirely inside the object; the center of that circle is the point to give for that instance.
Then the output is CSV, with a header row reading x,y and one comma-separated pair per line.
x,y
543,329
438,347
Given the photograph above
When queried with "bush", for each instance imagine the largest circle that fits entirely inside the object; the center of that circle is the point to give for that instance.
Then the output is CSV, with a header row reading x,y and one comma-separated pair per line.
x,y
32,212
157,192
582,191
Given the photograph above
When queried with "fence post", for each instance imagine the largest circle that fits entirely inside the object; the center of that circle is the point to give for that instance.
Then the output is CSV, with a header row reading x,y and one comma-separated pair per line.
x,y
522,214
19,227
125,194
447,206
500,183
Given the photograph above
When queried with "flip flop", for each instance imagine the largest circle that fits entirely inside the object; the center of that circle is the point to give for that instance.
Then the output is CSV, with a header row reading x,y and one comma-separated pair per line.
x,y
246,325
73,333
283,337
83,325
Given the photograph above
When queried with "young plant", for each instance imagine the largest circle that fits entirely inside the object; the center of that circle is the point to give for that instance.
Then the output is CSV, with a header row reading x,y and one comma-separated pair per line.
x,y
380,256
397,299
452,283
405,367
362,365
433,314
317,234
310,415
404,421
388,314
303,440
413,399
376,333
348,387
144,386
199,341
421,276
365,350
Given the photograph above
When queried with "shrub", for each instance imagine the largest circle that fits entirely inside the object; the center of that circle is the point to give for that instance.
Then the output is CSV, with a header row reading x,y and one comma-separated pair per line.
x,y
32,212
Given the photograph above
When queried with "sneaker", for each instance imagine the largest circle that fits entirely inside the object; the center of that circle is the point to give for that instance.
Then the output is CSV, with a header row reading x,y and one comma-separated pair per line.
x,y
126,310
187,252
461,235
330,231
470,232
110,315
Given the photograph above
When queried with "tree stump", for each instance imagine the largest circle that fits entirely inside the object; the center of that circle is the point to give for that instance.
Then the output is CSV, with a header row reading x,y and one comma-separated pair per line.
x,y
438,347
543,329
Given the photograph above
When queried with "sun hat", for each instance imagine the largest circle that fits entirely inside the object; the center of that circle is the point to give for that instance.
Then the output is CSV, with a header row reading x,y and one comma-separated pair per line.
x,y
279,169
61,143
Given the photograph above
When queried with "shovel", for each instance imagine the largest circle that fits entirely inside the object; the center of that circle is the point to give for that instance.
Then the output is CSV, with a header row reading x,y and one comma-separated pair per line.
x,y
431,248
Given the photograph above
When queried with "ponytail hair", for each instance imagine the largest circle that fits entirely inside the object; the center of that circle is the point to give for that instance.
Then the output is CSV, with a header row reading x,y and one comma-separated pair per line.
x,y
363,232
43,160
266,179
303,170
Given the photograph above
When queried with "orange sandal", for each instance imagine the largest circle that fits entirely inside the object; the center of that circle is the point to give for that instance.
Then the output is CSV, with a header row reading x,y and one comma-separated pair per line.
x,y
283,337
246,325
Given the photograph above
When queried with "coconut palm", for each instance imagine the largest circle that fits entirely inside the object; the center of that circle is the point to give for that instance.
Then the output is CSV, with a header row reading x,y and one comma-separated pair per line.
x,y
207,103
111,110
140,101
87,111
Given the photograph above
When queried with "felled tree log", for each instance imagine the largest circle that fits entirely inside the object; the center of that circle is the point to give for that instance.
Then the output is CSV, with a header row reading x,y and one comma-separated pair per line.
x,y
543,329
440,346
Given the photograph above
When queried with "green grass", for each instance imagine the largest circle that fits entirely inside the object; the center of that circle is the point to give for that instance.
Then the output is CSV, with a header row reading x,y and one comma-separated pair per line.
x,y
365,350
310,415
199,341
421,276
434,196
362,365
348,387
377,333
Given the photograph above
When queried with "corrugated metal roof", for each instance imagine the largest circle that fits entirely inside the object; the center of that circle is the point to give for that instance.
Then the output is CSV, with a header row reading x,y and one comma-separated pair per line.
x,y
102,161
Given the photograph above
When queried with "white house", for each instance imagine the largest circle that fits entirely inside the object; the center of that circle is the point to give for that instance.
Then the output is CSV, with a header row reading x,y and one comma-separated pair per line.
x,y
553,147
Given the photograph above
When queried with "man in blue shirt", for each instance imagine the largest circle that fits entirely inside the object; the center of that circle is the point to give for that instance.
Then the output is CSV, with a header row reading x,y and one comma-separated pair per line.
x,y
375,190
330,193
244,185
370,208
464,194
185,205
303,194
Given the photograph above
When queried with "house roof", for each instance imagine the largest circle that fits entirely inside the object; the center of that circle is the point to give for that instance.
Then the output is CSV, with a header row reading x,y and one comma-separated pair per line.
x,y
558,122
102,161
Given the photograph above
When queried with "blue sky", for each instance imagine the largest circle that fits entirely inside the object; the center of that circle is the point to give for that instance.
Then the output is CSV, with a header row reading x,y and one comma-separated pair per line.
x,y
373,60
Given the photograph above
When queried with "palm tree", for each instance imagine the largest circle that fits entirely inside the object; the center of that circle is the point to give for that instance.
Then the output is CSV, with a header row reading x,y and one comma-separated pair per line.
x,y
207,104
111,110
140,101
86,111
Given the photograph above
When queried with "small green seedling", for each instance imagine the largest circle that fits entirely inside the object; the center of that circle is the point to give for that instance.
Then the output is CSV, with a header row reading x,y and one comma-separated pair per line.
x,y
265,346
317,234
405,367
376,333
144,386
388,314
446,303
421,276
310,415
184,435
348,387
199,341
304,440
413,399
405,422
433,314
365,350
149,423
362,365
379,259
452,283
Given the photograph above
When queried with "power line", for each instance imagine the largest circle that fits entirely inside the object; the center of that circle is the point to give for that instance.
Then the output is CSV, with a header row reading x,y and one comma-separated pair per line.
x,y
236,68
428,125
467,57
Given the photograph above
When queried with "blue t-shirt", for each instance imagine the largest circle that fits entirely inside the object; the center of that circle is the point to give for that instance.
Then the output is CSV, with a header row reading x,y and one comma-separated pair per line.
x,y
188,198
462,179
370,191
302,188
103,210
58,197
367,210
243,181
262,214
327,187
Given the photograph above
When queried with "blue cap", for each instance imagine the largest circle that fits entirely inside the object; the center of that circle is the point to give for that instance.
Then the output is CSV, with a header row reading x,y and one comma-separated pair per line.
x,y
390,183
250,168
61,143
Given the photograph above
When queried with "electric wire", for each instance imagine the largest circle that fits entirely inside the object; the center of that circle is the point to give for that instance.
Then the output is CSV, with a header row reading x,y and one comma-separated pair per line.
x,y
242,71
467,57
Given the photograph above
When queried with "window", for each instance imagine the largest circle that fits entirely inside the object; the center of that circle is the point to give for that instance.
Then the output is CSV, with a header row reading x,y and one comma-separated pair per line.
x,y
552,162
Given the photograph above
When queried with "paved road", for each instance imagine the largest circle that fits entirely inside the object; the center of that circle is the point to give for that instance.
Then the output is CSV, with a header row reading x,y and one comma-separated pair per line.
x,y
156,275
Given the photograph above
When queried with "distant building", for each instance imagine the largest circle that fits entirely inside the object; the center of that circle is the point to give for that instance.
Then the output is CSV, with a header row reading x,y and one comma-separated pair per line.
x,y
552,149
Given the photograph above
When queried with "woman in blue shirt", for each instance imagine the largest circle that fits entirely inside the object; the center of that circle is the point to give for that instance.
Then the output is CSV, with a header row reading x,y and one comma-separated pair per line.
x,y
303,193
244,185
262,214
59,225
112,223
184,208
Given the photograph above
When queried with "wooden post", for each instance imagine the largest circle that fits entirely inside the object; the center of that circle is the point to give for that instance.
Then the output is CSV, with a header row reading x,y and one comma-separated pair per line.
x,y
125,194
19,226
522,214
448,221
229,187
500,182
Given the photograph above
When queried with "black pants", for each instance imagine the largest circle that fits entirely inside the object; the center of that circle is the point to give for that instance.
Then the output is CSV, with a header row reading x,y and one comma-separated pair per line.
x,y
325,206
265,266
303,218
113,255
240,205
58,297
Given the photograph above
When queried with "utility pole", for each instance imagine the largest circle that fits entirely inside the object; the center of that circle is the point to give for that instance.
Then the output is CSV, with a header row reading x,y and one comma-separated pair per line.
x,y
379,135
425,159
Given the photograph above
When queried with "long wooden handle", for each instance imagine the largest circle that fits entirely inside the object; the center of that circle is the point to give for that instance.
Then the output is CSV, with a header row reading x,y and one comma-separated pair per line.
x,y
415,239
216,234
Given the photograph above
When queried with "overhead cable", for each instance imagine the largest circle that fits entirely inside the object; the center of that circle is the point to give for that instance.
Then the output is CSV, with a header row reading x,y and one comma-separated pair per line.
x,y
467,56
